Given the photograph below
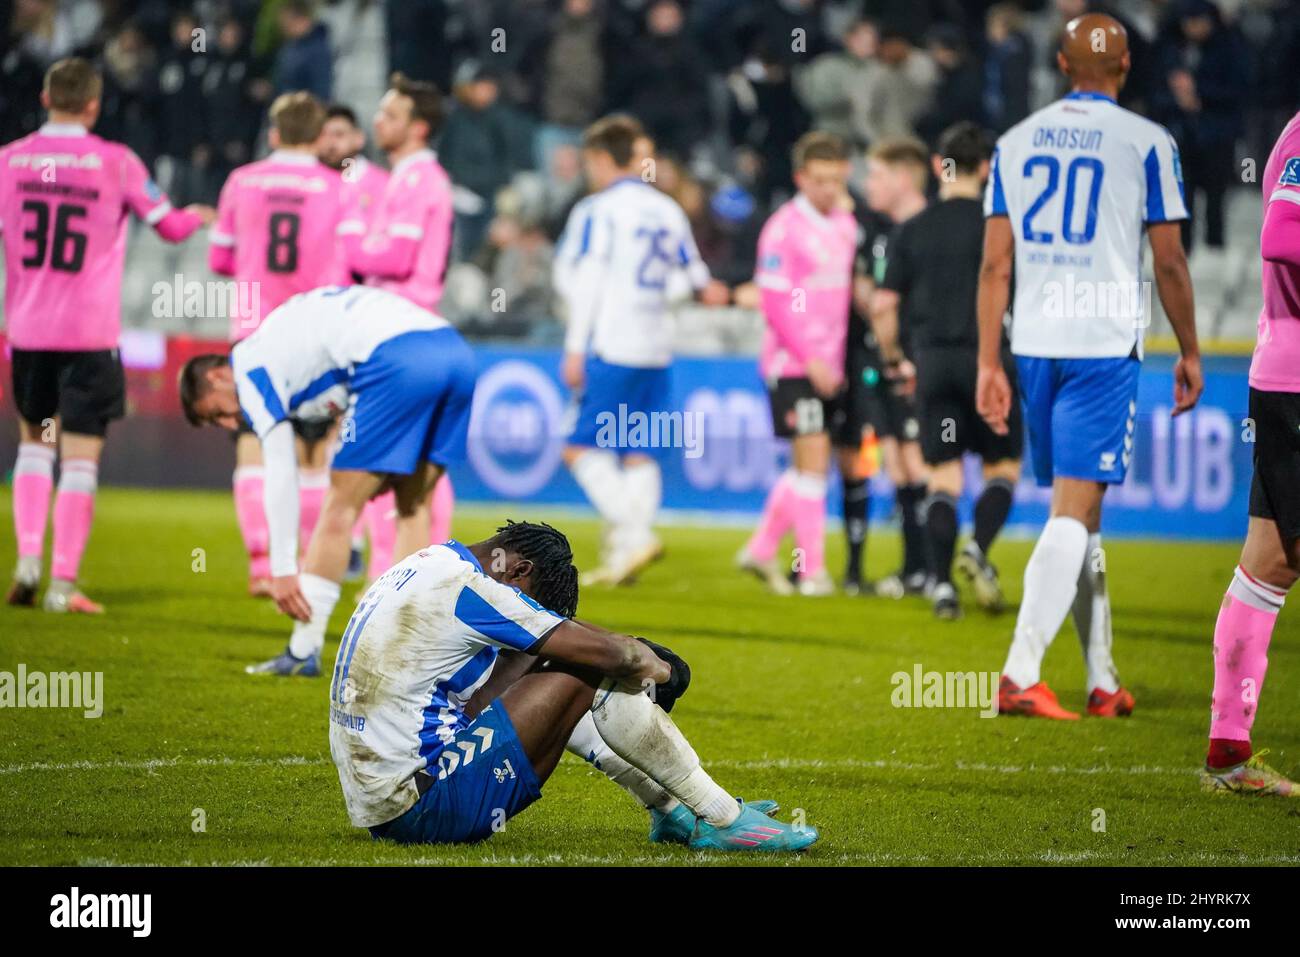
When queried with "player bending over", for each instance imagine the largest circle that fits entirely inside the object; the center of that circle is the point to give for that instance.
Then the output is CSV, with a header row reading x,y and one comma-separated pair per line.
x,y
1270,558
1071,191
463,676
934,309
406,378
64,199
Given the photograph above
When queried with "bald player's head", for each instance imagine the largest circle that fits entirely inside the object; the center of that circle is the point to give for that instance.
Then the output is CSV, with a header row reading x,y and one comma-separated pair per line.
x,y
1094,51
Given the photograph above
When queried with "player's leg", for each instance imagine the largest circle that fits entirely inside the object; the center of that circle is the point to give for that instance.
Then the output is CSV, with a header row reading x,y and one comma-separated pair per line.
x,y
811,456
1268,567
313,476
32,490
92,393
594,461
646,394
322,572
381,526
411,499
945,433
442,503
850,417
941,528
248,483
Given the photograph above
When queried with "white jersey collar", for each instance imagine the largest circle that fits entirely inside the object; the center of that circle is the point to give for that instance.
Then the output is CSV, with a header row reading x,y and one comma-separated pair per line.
x,y
63,129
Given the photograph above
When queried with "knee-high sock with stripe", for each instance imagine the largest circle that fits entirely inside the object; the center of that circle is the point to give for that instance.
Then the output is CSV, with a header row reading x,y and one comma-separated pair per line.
x,y
1241,637
74,511
809,506
381,525
440,510
644,484
251,516
33,485
1051,581
776,520
312,486
1092,619
587,744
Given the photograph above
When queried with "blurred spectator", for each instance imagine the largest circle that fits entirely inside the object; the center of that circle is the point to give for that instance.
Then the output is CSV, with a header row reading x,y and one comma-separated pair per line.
x,y
562,186
1203,63
130,103
356,31
764,120
665,84
304,60
836,87
957,94
236,100
572,77
1007,67
480,148
53,29
904,89
1142,76
520,258
184,153
410,25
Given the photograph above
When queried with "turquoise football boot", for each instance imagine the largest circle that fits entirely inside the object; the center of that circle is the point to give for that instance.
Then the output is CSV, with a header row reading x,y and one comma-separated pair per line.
x,y
677,825
752,831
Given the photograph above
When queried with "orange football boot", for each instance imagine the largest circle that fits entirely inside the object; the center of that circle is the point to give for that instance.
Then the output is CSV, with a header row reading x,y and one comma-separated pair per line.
x,y
1036,701
1104,704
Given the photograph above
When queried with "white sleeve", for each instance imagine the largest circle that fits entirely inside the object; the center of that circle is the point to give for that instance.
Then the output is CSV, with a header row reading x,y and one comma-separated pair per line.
x,y
1164,181
688,257
280,497
585,281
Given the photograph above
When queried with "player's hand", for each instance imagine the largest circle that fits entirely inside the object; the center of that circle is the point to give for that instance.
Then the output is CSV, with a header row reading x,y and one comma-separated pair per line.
x,y
205,213
747,296
993,398
902,375
289,597
1188,383
825,380
715,293
666,693
574,370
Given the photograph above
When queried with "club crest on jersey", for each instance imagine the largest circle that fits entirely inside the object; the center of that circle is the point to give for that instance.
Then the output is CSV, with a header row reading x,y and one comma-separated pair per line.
x,y
1290,172
152,191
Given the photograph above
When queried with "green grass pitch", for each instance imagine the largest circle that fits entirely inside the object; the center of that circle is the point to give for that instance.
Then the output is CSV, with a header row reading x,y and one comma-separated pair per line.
x,y
791,699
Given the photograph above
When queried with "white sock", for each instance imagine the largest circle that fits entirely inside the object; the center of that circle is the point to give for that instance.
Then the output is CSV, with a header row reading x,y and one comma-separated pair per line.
x,y
639,732
308,637
1051,580
587,744
644,485
599,474
1092,619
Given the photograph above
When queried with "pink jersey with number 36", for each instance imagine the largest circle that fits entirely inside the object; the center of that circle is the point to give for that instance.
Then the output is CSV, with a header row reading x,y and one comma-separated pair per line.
x,y
64,199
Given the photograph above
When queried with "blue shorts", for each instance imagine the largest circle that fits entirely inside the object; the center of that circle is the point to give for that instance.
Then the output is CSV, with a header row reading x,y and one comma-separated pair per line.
x,y
614,400
412,404
486,781
1079,416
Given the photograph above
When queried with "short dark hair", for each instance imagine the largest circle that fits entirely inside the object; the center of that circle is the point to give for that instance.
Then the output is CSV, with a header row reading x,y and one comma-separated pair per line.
x,y
555,579
819,145
967,144
341,111
72,84
617,135
193,383
426,100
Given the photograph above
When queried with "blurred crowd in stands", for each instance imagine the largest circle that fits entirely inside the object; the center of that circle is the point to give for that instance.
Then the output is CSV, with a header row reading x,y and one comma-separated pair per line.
x,y
724,86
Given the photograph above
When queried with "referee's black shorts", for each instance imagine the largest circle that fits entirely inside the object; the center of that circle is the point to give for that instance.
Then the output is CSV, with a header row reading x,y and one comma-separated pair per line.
x,y
1275,487
85,390
950,423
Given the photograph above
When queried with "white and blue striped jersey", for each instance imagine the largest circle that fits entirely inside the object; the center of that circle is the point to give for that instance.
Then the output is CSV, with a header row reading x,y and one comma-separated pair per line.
x,y
424,638
1080,180
299,362
626,254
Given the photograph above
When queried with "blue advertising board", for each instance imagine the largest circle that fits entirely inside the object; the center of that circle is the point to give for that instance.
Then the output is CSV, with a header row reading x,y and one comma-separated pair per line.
x,y
1190,476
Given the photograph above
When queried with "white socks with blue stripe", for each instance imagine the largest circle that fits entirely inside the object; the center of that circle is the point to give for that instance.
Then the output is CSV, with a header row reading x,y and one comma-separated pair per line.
x,y
638,731
1051,581
587,744
1092,619
308,637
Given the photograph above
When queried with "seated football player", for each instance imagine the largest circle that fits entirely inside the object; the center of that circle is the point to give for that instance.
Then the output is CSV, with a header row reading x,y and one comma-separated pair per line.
x,y
435,745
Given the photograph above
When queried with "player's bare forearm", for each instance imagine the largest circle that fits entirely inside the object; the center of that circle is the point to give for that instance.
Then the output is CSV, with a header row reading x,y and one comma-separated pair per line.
x,y
994,288
613,655
1174,284
884,323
